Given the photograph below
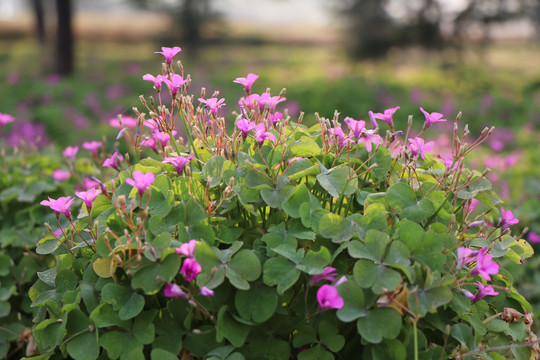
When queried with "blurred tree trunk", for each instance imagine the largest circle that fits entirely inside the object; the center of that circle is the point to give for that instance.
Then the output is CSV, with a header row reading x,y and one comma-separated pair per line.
x,y
64,47
39,15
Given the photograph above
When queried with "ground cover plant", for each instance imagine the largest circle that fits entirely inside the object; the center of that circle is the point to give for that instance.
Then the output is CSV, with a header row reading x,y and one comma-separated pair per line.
x,y
276,240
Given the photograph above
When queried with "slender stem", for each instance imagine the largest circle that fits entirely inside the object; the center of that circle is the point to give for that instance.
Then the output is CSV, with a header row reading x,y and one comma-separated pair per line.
x,y
415,337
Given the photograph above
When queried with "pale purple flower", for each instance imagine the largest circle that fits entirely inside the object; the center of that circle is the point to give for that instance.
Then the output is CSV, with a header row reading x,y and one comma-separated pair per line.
x,y
213,103
432,118
173,291
533,238
418,147
157,80
127,121
190,269
60,175
387,116
206,291
6,119
112,161
328,298
169,53
339,137
60,205
468,294
187,249
247,81
70,152
465,256
329,274
178,162
356,126
88,197
175,82
88,183
141,180
92,146
261,134
485,266
245,126
369,137
507,219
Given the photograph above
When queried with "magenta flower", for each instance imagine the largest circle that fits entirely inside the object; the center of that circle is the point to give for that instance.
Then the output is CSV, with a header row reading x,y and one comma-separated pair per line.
x,y
269,101
70,152
157,80
173,291
247,81
127,121
88,183
174,83
245,126
88,197
484,290
92,146
329,274
387,116
431,118
141,180
507,219
169,53
465,256
60,205
206,291
178,162
533,238
150,143
261,134
250,102
339,137
187,249
112,161
328,298
60,175
6,119
485,266
275,118
356,126
213,103
190,269
369,137
418,147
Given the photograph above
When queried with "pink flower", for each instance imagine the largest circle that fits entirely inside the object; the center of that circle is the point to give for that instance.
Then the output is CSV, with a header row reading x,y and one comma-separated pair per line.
x,y
60,205
245,126
88,183
418,147
387,116
507,219
250,102
175,82
206,291
92,146
6,119
356,126
70,152
173,291
339,137
125,121
484,290
187,249
156,80
112,161
270,102
141,180
329,274
485,266
190,269
247,81
213,103
60,175
274,118
150,143
431,118
533,238
88,197
178,162
261,134
465,256
369,137
169,53
328,298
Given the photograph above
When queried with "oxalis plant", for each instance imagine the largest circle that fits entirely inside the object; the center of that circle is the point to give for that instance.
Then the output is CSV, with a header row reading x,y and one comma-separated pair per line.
x,y
256,237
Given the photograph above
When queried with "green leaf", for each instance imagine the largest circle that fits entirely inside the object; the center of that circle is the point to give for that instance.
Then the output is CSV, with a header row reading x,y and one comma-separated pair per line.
x,y
281,272
305,335
147,277
305,147
299,196
353,298
113,342
132,307
256,180
213,272
330,337
160,354
212,171
400,196
337,182
335,227
48,276
49,333
372,248
315,353
83,347
315,261
228,328
143,327
257,304
104,316
47,245
275,198
66,280
374,217
418,211
379,324
462,333
429,300
411,234
243,267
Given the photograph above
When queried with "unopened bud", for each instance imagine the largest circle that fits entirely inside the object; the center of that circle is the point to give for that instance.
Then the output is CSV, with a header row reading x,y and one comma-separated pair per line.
x,y
143,100
122,199
458,117
409,120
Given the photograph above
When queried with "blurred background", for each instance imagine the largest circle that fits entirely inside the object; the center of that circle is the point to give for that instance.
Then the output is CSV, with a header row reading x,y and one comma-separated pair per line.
x,y
74,64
